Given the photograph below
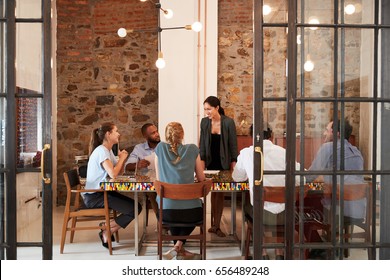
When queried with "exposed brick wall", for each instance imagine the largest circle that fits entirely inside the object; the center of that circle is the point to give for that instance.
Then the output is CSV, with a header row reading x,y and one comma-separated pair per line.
x,y
102,77
235,61
235,69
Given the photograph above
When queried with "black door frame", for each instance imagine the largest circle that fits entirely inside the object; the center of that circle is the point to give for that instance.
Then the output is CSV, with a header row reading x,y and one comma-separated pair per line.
x,y
380,23
9,244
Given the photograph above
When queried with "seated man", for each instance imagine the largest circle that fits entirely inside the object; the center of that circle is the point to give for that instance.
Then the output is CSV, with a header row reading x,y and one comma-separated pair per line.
x,y
323,160
274,159
142,155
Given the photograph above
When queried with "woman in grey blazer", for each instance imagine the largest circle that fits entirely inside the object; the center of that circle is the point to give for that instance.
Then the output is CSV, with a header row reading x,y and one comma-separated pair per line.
x,y
218,151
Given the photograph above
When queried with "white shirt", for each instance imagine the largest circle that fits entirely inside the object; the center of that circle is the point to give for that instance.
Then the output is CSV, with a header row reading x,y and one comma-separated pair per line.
x,y
275,160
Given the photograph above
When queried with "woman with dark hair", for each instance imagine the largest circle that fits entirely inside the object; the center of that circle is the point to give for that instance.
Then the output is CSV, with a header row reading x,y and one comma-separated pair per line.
x,y
218,151
176,164
102,163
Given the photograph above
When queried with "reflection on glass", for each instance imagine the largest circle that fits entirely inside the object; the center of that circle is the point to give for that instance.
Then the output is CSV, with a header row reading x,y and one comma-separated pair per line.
x,y
2,8
275,11
2,58
312,118
321,10
315,78
384,87
3,113
356,75
28,9
275,55
357,12
29,208
29,57
29,132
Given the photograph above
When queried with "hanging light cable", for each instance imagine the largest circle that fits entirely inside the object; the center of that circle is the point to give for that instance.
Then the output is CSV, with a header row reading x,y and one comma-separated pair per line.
x,y
168,13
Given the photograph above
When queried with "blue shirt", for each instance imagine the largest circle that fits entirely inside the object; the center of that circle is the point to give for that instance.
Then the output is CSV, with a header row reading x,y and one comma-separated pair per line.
x,y
96,172
353,160
139,152
181,172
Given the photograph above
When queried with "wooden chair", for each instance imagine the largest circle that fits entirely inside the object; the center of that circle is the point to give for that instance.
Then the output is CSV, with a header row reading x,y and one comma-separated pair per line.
x,y
182,192
354,192
271,194
77,212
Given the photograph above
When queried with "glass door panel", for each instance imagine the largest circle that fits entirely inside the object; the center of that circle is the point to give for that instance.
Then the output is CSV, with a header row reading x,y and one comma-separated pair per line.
x,y
355,62
315,62
315,11
29,75
342,205
357,12
29,9
275,11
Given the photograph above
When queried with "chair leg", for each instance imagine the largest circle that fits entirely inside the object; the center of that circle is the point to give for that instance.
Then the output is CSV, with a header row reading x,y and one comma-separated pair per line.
x,y
116,233
248,239
108,230
203,242
72,232
159,249
63,234
346,240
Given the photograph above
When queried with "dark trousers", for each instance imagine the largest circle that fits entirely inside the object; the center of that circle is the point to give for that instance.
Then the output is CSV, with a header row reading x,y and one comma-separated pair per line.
x,y
116,201
192,215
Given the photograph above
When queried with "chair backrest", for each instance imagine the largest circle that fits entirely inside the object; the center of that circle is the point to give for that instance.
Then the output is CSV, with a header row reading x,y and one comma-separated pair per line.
x,y
277,194
72,179
83,170
351,191
274,194
183,191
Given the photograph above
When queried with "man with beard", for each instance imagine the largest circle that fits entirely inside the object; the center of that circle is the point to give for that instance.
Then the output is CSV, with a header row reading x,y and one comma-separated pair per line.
x,y
141,158
138,158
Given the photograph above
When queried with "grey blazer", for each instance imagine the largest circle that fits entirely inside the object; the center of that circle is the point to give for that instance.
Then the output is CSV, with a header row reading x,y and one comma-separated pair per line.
x,y
228,146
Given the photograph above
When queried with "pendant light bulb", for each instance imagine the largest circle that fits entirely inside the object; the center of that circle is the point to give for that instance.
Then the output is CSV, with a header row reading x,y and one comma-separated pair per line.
x,y
122,32
309,65
168,13
349,9
196,26
266,10
160,62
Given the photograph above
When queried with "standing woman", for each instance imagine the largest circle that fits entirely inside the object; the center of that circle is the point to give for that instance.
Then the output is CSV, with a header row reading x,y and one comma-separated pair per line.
x,y
101,163
218,151
176,164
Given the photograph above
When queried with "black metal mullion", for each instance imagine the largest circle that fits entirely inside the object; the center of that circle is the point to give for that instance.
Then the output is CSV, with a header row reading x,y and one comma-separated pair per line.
x,y
335,126
47,193
372,252
258,227
291,129
10,154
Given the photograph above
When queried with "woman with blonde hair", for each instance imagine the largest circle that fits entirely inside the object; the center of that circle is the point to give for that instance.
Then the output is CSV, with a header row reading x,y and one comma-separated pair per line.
x,y
102,163
175,164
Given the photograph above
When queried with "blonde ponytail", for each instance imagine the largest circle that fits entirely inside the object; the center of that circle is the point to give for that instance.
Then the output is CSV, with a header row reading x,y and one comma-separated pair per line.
x,y
174,135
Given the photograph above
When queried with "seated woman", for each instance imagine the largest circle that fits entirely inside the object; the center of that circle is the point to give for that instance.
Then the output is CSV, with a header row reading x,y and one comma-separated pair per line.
x,y
176,163
102,162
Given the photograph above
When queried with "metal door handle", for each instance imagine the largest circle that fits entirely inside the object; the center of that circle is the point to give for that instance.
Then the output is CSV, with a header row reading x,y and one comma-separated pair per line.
x,y
258,150
46,147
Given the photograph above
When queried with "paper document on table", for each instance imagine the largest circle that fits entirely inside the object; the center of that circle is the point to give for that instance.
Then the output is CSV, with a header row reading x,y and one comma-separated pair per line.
x,y
150,158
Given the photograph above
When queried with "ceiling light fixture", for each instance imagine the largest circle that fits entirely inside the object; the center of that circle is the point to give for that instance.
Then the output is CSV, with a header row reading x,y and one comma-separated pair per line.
x,y
168,13
349,9
266,10
314,20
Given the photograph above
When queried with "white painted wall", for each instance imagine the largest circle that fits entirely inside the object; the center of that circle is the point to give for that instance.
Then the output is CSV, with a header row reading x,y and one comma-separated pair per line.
x,y
184,83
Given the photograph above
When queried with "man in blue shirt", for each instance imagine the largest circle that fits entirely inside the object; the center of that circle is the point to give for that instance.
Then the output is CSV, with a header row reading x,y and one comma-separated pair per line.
x,y
353,160
142,155
141,158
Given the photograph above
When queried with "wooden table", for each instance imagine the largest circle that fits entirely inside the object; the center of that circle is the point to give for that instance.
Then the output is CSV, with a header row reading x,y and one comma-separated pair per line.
x,y
222,182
